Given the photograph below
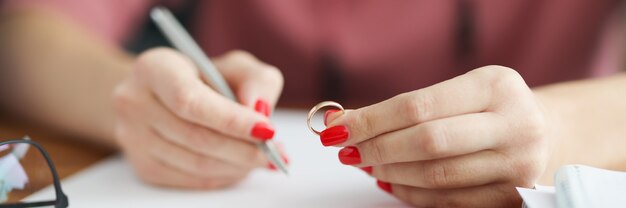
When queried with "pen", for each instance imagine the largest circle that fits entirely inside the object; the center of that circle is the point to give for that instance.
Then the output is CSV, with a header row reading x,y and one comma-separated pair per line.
x,y
178,36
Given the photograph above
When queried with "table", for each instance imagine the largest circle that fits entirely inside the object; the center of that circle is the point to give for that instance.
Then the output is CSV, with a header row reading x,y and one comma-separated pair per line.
x,y
69,154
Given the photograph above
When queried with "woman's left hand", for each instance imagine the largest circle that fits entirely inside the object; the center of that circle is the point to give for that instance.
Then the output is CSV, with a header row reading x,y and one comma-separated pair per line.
x,y
465,142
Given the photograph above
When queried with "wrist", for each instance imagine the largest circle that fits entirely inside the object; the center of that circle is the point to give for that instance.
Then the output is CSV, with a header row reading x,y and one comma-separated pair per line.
x,y
553,109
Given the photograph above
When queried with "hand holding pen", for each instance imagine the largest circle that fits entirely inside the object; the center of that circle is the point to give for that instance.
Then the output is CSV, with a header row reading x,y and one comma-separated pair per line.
x,y
178,131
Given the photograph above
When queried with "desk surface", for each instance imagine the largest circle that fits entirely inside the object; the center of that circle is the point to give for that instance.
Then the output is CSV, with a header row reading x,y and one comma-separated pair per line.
x,y
69,155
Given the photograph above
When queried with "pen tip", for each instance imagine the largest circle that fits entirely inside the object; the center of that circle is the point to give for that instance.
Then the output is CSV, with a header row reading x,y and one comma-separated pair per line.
x,y
285,171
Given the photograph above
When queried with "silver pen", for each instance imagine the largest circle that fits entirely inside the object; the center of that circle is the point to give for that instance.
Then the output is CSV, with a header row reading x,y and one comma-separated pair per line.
x,y
178,36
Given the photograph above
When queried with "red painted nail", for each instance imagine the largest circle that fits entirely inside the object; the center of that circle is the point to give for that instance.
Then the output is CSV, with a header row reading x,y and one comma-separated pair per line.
x,y
328,112
334,135
281,150
367,169
262,107
349,155
271,166
262,131
384,186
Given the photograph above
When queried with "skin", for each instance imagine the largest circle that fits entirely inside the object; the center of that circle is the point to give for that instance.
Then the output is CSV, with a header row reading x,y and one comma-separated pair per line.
x,y
157,103
468,141
146,106
165,107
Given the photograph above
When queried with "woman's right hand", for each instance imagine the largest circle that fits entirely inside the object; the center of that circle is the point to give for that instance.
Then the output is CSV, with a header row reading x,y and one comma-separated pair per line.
x,y
177,131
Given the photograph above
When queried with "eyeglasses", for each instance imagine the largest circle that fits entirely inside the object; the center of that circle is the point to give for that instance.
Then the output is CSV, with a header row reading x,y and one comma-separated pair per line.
x,y
16,182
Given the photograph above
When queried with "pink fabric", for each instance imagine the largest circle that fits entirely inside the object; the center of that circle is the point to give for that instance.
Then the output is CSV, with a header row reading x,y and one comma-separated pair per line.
x,y
388,47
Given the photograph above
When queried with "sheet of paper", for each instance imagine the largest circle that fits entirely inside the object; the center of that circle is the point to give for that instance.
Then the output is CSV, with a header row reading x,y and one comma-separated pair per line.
x,y
584,186
540,197
317,179
12,175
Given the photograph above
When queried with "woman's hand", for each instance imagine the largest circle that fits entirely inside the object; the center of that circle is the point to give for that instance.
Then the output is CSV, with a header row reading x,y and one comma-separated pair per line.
x,y
176,131
465,142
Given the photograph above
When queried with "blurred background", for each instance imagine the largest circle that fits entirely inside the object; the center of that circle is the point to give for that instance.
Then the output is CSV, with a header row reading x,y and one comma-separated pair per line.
x,y
350,51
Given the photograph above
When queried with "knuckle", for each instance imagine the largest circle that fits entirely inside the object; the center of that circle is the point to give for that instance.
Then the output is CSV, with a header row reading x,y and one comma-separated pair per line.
x,y
272,75
377,151
527,170
442,199
417,105
505,81
251,156
204,165
493,72
229,122
239,54
158,53
121,134
435,175
123,100
364,124
145,60
198,138
383,173
432,139
534,129
184,102
214,144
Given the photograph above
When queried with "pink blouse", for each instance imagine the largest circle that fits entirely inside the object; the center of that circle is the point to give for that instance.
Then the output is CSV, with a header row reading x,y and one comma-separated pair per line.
x,y
368,50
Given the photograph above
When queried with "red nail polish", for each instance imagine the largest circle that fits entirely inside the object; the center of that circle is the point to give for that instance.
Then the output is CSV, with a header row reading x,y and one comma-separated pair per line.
x,y
349,155
283,156
262,107
262,131
334,135
367,169
328,112
384,186
271,167
281,150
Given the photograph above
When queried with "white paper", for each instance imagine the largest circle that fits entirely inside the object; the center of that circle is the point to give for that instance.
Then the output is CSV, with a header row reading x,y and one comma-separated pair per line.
x,y
12,176
580,186
540,197
317,179
12,173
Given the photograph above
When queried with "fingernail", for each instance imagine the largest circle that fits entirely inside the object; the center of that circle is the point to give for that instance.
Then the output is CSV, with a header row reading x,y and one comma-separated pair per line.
x,y
283,155
285,159
334,135
367,169
349,155
328,112
262,131
262,107
271,166
384,186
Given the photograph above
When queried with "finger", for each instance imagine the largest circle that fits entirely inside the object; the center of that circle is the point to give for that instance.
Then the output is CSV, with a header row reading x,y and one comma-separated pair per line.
x,y
255,83
191,163
491,195
161,174
175,82
149,169
463,171
202,140
441,138
469,93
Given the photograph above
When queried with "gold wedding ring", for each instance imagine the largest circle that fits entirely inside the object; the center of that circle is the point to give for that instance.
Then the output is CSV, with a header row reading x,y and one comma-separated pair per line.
x,y
317,108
